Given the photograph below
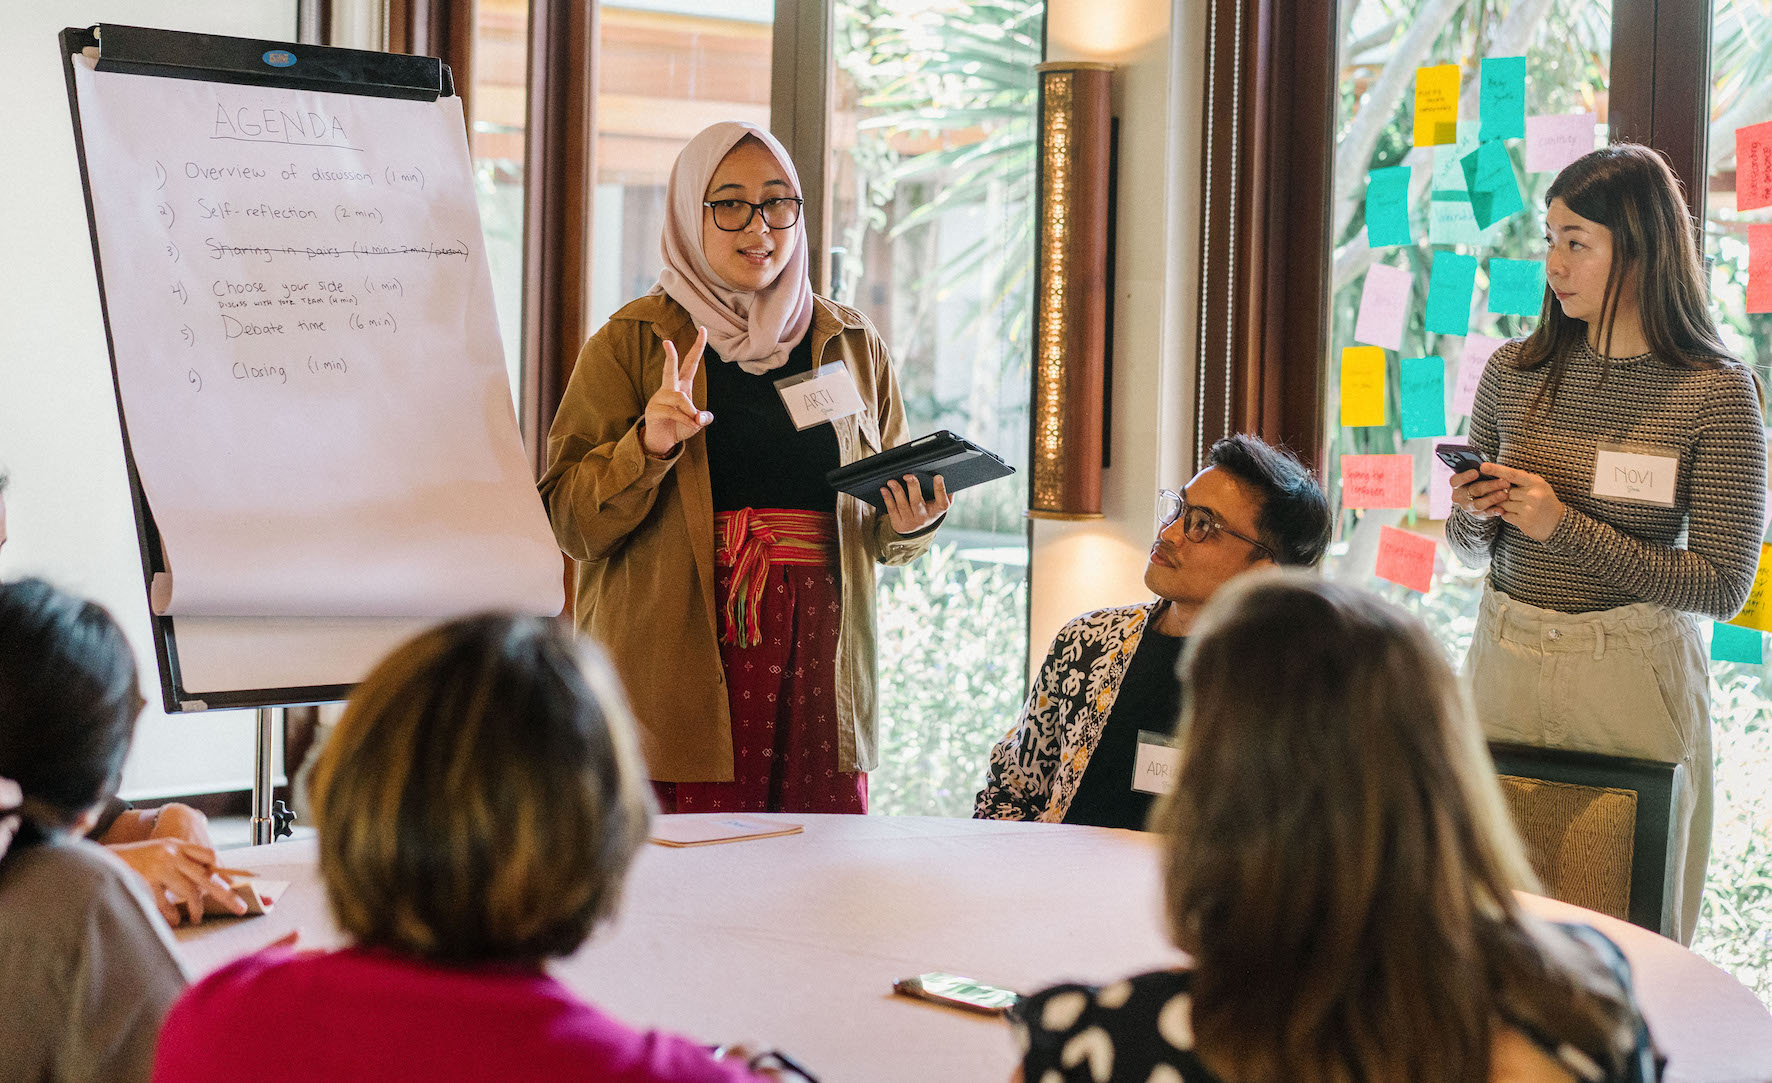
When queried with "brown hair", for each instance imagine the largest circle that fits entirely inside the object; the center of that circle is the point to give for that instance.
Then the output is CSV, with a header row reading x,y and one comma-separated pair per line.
x,y
1629,189
481,799
1340,863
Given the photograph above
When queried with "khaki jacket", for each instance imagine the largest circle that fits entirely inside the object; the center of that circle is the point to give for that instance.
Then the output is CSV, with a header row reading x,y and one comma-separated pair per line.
x,y
642,531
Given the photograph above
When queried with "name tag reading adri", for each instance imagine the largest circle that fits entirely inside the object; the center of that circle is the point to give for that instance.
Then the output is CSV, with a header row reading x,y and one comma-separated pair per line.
x,y
822,395
1640,475
1158,763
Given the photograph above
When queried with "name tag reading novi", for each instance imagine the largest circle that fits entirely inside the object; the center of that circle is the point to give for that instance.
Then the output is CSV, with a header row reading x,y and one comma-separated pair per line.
x,y
1641,475
824,394
1158,763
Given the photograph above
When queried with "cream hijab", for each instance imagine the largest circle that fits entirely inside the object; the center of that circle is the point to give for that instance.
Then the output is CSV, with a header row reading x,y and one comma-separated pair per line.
x,y
755,330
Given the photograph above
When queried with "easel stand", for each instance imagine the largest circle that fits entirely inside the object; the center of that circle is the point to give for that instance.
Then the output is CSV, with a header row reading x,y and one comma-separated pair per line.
x,y
265,826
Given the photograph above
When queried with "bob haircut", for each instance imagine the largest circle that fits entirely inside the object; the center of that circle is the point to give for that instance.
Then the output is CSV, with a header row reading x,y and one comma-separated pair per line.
x,y
1340,862
481,799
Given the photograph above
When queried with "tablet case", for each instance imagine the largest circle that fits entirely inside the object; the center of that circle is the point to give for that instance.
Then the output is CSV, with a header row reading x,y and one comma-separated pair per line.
x,y
961,464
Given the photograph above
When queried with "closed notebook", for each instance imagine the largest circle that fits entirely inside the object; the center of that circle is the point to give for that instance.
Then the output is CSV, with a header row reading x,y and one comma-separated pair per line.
x,y
961,464
258,895
704,830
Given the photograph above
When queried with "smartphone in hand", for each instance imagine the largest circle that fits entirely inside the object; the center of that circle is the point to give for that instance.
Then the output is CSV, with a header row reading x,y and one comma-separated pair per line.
x,y
958,992
1460,457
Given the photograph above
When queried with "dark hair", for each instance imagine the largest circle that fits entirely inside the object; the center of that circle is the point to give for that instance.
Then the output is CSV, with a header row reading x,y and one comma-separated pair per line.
x,y
1294,521
1631,191
68,699
481,799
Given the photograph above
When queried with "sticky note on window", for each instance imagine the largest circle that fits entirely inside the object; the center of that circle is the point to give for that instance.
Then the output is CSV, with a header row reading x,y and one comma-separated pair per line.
x,y
1422,381
1377,481
1757,613
1501,97
1759,268
1489,177
1405,558
1450,220
1362,385
1516,286
1387,207
1449,287
1436,105
1753,166
1384,303
1731,644
1439,489
1448,173
1477,349
1553,141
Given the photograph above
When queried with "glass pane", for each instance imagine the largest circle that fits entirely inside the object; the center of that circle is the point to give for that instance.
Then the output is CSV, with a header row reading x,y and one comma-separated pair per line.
x,y
666,71
1732,930
499,99
932,162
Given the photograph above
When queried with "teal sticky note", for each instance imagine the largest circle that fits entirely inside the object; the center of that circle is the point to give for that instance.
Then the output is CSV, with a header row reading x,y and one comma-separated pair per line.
x,y
1423,384
1729,643
1387,207
1516,286
1501,98
1449,289
1450,220
1448,170
1489,177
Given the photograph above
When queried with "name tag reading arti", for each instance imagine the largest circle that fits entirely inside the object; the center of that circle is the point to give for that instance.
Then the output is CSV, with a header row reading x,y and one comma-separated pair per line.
x,y
1158,763
1636,474
822,395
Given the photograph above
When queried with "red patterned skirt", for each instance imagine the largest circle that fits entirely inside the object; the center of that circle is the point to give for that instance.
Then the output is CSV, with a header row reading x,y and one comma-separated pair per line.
x,y
780,608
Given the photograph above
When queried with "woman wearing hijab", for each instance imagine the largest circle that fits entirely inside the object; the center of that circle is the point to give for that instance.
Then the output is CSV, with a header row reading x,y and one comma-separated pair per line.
x,y
731,585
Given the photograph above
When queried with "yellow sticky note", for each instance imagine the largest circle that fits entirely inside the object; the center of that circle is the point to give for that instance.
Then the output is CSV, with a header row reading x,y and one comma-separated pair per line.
x,y
1436,105
1362,385
1757,613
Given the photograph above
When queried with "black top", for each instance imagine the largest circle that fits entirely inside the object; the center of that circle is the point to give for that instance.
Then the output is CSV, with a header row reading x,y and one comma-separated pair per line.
x,y
756,458
1149,699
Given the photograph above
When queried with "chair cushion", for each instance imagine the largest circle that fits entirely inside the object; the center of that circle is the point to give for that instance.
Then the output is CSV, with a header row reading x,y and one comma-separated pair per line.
x,y
1578,838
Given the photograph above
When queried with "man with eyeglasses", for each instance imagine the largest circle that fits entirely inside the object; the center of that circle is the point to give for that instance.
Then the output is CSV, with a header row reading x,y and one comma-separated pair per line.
x,y
1094,742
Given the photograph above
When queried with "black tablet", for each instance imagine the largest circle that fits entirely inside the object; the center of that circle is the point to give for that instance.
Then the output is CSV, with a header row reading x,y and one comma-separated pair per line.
x,y
961,464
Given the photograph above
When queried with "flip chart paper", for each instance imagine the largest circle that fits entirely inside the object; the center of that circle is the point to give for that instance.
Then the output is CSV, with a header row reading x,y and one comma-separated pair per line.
x,y
1387,207
1731,644
1477,349
1436,104
1405,558
1753,167
1494,190
1377,481
1423,384
1757,613
307,353
1384,304
1439,489
1501,97
1362,385
1555,140
1759,268
1516,286
1450,285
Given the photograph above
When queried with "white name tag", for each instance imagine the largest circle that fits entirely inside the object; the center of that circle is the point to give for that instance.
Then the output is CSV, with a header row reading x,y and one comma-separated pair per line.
x,y
815,397
1158,763
1637,474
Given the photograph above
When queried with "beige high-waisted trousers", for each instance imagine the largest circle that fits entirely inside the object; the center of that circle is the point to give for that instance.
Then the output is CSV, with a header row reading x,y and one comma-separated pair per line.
x,y
1630,681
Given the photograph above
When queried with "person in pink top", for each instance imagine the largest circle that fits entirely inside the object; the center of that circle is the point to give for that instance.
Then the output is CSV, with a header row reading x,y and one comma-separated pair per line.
x,y
478,810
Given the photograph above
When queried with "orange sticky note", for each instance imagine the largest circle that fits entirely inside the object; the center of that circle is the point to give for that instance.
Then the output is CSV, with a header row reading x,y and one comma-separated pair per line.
x,y
1377,481
1757,613
1436,105
1362,385
1753,166
1405,558
1759,268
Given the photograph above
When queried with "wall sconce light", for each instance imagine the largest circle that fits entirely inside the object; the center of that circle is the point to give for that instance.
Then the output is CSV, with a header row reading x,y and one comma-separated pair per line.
x,y
1073,300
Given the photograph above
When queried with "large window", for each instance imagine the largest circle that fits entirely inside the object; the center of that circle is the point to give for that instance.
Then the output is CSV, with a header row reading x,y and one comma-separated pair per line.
x,y
498,100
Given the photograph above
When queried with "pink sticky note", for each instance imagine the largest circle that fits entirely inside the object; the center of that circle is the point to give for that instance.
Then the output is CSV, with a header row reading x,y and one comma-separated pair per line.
x,y
1439,487
1384,302
1477,349
1377,481
1759,268
1405,558
1552,142
1753,166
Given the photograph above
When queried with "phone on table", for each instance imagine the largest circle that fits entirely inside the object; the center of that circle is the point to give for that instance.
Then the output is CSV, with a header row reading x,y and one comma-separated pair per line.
x,y
958,992
1460,457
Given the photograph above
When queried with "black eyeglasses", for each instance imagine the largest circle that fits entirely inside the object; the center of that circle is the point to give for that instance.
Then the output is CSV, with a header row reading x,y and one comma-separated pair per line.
x,y
733,215
1198,524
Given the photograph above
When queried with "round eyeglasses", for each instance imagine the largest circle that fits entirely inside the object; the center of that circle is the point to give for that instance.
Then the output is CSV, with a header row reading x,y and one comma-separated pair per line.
x,y
1198,524
734,215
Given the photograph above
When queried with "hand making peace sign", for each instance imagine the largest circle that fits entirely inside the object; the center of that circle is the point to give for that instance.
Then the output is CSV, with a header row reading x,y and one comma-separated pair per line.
x,y
671,416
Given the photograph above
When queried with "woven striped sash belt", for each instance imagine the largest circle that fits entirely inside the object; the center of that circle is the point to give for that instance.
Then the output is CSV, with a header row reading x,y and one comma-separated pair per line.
x,y
752,540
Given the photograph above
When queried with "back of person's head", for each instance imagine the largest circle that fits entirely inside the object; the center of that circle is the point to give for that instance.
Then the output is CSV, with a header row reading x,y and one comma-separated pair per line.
x,y
481,799
1294,520
68,701
1341,864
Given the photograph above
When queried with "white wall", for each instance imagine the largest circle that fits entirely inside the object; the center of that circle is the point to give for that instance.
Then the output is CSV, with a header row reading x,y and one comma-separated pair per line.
x,y
68,511
1159,87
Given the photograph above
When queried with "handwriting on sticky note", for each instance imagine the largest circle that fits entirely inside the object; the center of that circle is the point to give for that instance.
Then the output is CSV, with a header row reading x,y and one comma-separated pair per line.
x,y
1753,166
1422,382
1436,105
1759,267
1489,177
1449,287
1501,97
1384,305
1387,207
1448,173
1377,481
1477,349
1405,558
1516,286
1757,613
1553,141
1362,385
1731,644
